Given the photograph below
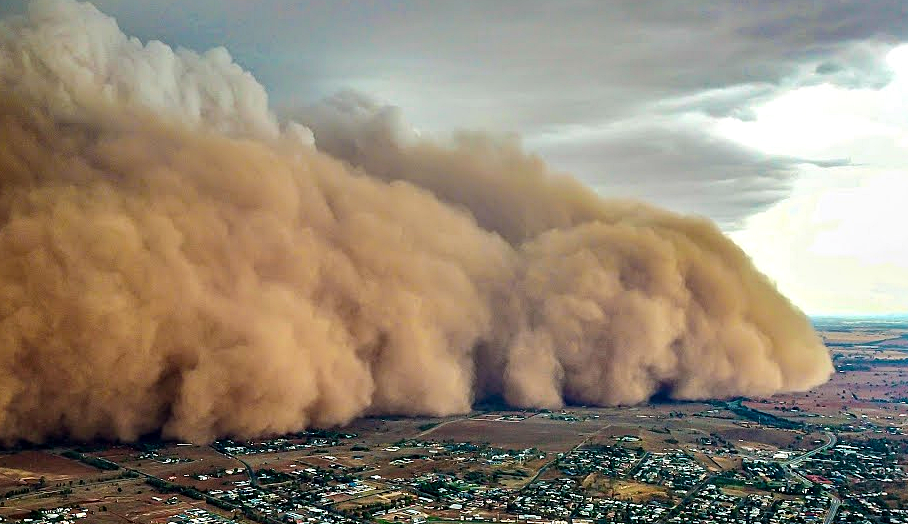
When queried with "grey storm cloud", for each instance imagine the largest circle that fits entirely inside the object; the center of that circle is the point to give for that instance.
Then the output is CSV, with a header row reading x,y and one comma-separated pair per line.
x,y
674,165
680,167
540,68
539,63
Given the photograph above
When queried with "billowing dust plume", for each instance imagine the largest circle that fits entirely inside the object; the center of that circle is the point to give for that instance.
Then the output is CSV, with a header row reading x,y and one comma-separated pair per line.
x,y
174,259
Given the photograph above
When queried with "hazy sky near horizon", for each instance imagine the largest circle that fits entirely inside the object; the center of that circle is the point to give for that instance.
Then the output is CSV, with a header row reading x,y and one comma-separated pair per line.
x,y
786,122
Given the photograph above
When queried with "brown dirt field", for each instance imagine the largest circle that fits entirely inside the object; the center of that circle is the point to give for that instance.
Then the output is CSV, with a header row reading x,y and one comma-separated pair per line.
x,y
270,460
833,400
860,336
743,491
141,508
205,461
548,435
610,435
28,467
459,468
639,492
660,434
727,463
374,432
418,467
856,338
381,498
760,437
708,462
134,504
284,462
117,453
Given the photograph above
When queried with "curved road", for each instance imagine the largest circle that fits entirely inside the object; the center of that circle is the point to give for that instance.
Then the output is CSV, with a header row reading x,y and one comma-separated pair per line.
x,y
834,501
249,471
830,441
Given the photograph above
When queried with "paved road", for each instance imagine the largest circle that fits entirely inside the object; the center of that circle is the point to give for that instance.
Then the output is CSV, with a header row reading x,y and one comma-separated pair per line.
x,y
830,441
633,471
834,501
553,461
249,471
687,497
786,466
833,508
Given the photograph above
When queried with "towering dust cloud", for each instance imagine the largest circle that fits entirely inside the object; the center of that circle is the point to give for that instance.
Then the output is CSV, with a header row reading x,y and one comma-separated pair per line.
x,y
173,258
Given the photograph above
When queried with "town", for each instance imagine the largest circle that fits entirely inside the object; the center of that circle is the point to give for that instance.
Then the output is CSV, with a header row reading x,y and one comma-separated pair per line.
x,y
696,463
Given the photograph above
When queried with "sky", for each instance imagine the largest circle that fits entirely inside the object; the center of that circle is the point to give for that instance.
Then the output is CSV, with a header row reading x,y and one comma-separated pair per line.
x,y
786,122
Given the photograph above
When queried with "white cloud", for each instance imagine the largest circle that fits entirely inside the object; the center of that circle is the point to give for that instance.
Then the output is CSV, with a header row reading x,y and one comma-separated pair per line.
x,y
838,244
832,120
